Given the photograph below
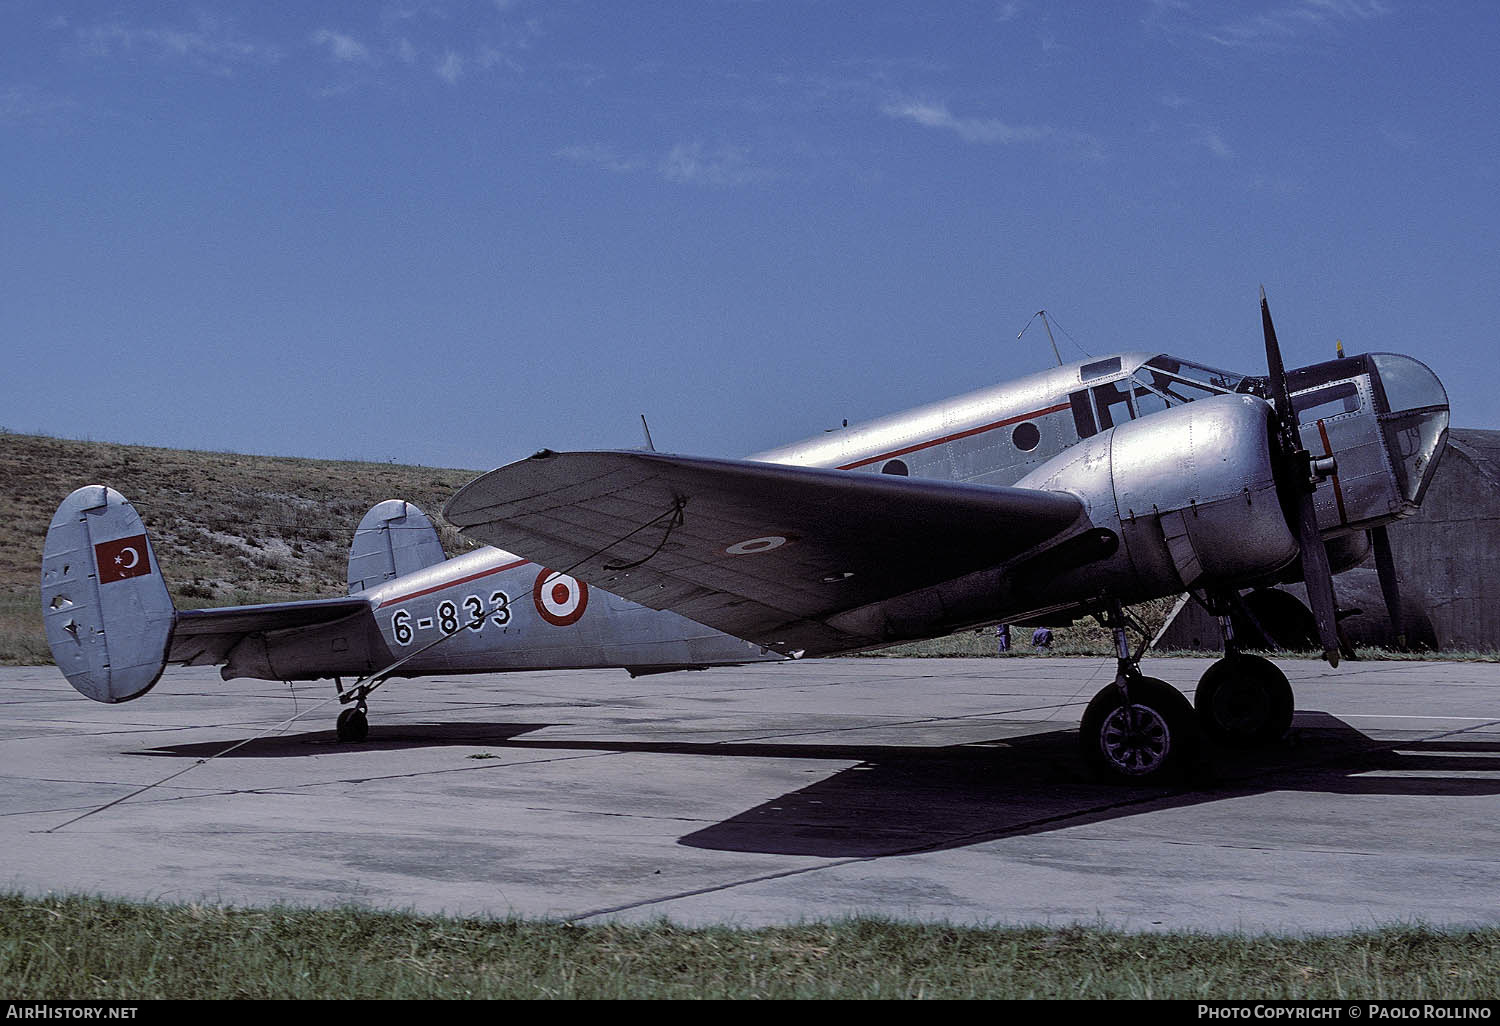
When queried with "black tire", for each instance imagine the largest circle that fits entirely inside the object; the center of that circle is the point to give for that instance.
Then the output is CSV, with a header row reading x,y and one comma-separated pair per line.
x,y
1244,701
1152,740
353,726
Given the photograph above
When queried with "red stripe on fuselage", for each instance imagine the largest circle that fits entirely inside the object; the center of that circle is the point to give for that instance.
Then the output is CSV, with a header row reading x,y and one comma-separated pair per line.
x,y
955,436
454,583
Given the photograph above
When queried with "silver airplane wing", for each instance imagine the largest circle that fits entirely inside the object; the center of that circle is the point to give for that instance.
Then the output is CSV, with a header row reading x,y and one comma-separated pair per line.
x,y
762,551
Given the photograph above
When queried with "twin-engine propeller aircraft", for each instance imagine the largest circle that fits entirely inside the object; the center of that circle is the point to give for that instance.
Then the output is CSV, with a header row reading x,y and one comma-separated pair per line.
x,y
1071,492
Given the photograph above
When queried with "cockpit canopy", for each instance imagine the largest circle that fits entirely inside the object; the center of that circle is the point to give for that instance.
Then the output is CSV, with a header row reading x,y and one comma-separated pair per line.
x,y
1414,419
1384,417
1161,382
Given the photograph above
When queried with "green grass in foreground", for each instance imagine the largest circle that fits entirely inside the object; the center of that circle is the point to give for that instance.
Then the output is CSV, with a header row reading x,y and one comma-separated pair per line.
x,y
84,948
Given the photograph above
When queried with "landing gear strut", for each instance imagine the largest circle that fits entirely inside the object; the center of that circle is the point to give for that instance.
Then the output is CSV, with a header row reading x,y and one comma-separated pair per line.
x,y
353,724
1243,700
1138,728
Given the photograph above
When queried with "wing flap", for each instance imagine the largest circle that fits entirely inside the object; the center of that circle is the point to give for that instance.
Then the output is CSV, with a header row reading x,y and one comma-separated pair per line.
x,y
762,551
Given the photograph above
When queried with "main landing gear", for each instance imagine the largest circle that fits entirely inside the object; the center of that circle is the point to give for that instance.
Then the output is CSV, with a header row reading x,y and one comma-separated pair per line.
x,y
1143,730
1243,701
1138,728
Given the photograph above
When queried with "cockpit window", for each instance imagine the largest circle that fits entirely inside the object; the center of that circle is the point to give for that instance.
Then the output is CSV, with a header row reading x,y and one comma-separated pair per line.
x,y
1214,380
1324,403
1409,385
1172,390
1148,400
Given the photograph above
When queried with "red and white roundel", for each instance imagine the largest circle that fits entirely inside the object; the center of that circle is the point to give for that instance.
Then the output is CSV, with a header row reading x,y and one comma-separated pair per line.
x,y
559,598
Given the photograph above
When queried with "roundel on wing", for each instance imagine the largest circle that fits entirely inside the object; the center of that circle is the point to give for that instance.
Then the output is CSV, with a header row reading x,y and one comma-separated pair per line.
x,y
559,599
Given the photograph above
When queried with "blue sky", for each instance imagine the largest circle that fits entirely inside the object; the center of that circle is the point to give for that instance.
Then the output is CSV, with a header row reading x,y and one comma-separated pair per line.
x,y
454,232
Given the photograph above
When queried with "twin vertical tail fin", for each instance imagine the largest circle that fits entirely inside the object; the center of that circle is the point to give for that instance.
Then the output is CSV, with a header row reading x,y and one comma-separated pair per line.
x,y
394,539
105,605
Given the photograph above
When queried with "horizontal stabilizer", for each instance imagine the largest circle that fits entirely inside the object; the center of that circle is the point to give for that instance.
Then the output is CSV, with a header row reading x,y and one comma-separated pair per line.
x,y
205,637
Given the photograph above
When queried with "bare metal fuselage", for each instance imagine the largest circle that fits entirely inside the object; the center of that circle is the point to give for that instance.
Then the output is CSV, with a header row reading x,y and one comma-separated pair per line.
x,y
1169,459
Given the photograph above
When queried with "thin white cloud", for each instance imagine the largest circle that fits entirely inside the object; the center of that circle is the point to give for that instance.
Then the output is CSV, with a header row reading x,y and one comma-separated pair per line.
x,y
691,163
976,130
211,45
342,48
1212,141
1286,23
685,163
601,157
993,131
21,105
451,68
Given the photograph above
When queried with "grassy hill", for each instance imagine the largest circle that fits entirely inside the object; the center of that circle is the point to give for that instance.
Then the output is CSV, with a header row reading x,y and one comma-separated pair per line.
x,y
228,528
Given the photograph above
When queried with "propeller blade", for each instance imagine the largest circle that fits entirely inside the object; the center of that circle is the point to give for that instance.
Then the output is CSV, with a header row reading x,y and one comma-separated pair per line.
x,y
1318,576
1280,397
1385,570
1296,482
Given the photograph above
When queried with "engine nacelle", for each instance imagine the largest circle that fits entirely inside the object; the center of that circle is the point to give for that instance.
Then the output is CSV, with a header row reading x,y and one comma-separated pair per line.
x,y
1189,491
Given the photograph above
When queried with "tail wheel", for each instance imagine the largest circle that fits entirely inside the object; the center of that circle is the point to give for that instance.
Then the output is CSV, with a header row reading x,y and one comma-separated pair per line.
x,y
353,726
1152,738
1243,701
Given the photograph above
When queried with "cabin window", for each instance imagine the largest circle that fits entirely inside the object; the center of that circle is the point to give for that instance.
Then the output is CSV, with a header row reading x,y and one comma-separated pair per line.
x,y
1083,415
1113,404
1026,436
897,467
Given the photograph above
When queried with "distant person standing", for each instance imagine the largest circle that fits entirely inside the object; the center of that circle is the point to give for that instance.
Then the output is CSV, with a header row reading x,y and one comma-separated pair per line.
x,y
1002,638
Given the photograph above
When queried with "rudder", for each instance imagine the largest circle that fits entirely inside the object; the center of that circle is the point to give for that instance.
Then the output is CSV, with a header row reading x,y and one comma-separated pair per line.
x,y
105,605
395,538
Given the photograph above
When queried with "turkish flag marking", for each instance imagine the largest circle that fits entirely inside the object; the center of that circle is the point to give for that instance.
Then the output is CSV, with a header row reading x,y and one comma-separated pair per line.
x,y
122,559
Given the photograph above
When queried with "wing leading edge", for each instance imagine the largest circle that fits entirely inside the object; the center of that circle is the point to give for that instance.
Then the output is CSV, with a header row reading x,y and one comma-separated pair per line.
x,y
766,552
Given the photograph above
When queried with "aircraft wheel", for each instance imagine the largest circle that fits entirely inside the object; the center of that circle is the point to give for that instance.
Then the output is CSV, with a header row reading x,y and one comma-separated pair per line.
x,y
1152,739
353,726
1244,701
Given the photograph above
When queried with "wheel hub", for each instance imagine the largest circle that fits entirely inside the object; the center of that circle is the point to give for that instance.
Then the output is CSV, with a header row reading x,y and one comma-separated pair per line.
x,y
1242,706
1136,739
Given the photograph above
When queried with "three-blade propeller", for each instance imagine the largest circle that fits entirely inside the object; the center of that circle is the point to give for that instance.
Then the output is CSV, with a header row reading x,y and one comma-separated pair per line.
x,y
1296,481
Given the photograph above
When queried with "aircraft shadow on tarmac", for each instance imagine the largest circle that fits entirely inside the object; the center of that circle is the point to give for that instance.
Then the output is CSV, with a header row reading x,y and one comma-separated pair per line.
x,y
900,800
